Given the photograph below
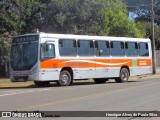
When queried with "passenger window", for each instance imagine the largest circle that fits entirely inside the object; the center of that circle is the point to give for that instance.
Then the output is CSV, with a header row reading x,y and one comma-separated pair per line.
x,y
47,51
85,48
117,48
102,48
67,47
143,49
131,49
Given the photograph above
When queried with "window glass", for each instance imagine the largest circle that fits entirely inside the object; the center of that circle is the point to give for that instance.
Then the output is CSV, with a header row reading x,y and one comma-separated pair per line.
x,y
67,47
47,51
102,48
131,49
85,48
24,55
117,48
143,49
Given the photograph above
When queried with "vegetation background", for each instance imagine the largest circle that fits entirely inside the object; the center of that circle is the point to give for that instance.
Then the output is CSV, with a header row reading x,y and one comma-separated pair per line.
x,y
125,18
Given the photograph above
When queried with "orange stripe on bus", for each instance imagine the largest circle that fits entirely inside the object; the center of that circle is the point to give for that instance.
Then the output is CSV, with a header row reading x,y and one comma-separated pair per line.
x,y
144,62
48,64
86,63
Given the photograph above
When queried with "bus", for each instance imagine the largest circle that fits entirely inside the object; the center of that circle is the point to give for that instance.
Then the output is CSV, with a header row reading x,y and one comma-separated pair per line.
x,y
46,57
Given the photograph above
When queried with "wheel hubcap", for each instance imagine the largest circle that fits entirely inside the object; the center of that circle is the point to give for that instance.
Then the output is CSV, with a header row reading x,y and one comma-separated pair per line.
x,y
64,78
124,75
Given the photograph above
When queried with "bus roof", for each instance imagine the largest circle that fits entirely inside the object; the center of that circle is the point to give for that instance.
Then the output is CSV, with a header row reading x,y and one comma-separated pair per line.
x,y
87,37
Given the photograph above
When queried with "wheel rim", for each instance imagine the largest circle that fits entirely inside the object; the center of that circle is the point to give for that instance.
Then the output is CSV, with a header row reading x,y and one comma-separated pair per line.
x,y
124,75
64,78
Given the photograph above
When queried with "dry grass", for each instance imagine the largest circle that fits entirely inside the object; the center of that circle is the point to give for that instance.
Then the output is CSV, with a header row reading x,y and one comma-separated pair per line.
x,y
6,83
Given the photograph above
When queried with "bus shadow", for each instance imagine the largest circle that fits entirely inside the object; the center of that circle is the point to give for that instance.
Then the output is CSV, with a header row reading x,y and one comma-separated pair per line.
x,y
53,84
92,83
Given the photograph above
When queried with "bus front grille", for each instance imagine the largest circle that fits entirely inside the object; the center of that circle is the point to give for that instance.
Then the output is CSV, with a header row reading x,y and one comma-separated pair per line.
x,y
21,78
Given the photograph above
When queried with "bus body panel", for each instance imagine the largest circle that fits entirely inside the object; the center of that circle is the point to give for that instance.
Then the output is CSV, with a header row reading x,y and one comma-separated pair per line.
x,y
48,68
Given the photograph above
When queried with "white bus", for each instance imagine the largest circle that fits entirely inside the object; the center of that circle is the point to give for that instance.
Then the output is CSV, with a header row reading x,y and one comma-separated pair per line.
x,y
44,58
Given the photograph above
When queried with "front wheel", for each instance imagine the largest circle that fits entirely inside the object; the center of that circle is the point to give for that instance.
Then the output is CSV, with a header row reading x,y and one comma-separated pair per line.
x,y
65,78
124,76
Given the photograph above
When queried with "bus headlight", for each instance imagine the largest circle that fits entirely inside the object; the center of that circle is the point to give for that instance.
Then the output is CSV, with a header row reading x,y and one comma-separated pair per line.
x,y
11,73
34,70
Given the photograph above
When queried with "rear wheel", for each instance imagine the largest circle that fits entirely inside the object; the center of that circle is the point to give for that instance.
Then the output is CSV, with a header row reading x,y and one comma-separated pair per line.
x,y
100,81
65,78
41,83
124,76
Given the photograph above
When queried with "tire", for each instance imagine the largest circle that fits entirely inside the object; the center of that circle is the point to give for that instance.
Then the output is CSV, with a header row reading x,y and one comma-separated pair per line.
x,y
123,77
100,81
65,78
41,83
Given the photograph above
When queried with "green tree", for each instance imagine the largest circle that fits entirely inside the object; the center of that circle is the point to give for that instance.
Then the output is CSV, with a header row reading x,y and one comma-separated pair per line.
x,y
16,17
72,16
142,8
117,22
97,17
9,23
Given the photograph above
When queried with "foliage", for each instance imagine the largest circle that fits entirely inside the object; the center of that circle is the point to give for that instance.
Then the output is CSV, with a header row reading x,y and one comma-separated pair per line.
x,y
142,8
117,22
97,17
14,19
143,12
72,16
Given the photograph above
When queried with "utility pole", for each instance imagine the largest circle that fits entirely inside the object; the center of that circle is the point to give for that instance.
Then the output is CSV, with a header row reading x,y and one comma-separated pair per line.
x,y
153,42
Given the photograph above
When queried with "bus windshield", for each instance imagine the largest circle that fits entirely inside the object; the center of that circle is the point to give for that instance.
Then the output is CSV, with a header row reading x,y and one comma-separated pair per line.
x,y
24,54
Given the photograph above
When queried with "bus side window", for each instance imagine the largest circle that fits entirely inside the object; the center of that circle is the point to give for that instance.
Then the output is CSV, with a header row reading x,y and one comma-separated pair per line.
x,y
131,49
85,48
67,47
117,48
143,49
102,48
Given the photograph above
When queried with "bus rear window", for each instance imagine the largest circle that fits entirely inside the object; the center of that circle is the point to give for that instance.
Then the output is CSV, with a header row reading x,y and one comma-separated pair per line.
x,y
143,49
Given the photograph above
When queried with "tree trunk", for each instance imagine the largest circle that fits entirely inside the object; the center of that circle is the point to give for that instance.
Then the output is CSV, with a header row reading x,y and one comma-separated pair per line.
x,y
7,69
2,71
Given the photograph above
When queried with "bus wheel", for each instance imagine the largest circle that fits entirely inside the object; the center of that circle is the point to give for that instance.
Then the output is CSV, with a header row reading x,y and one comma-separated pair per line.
x,y
41,83
65,78
100,81
124,76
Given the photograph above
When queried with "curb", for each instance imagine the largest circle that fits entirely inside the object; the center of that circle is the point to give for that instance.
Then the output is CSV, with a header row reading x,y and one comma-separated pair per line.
x,y
146,76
